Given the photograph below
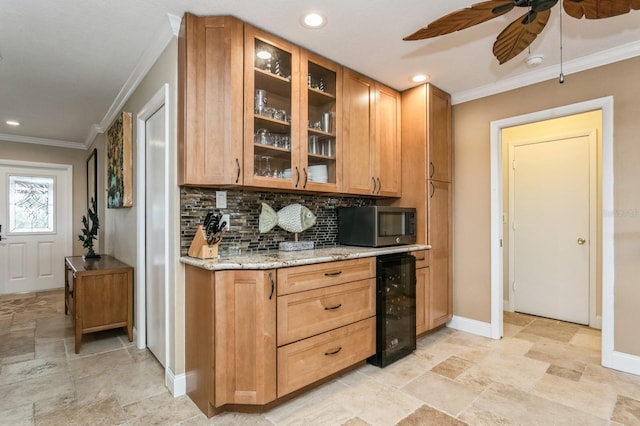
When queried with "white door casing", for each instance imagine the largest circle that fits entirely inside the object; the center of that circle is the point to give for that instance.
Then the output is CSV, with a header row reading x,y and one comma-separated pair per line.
x,y
610,358
552,209
32,252
155,231
160,99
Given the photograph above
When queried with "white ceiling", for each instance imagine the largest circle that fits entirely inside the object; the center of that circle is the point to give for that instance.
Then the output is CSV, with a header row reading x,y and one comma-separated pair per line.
x,y
67,66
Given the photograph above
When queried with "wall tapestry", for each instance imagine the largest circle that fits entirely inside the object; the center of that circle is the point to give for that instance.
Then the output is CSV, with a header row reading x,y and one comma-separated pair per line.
x,y
119,163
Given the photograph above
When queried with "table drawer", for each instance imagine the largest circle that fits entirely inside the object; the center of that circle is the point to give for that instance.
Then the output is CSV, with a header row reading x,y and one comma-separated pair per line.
x,y
309,277
304,314
312,359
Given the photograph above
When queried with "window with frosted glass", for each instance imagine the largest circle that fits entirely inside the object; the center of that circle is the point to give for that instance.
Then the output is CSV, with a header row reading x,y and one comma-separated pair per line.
x,y
31,204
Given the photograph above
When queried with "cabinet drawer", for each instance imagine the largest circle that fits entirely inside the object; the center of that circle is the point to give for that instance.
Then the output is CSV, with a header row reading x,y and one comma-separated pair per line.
x,y
422,258
312,359
309,277
312,312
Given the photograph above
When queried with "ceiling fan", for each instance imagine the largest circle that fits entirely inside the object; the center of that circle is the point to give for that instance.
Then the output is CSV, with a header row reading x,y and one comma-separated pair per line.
x,y
521,32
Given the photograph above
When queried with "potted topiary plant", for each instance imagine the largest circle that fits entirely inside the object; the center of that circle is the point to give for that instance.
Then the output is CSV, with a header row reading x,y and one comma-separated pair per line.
x,y
90,231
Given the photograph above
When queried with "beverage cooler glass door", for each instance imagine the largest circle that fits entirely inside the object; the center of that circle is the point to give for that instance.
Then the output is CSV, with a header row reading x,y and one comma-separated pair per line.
x,y
396,308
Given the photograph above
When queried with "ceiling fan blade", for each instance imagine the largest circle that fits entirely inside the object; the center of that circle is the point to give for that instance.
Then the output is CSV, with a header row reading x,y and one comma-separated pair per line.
x,y
519,34
463,18
599,9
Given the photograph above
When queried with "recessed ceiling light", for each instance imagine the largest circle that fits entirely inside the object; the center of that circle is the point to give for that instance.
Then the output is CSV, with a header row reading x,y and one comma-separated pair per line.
x,y
13,123
313,20
419,78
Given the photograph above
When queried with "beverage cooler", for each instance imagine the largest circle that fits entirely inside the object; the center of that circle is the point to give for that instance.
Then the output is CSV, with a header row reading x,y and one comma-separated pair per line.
x,y
396,308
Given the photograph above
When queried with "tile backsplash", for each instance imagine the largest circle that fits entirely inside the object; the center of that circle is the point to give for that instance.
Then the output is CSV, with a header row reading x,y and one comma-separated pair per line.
x,y
244,206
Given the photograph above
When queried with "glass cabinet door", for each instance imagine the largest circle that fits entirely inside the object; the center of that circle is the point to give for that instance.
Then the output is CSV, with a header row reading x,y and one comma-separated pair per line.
x,y
271,111
321,122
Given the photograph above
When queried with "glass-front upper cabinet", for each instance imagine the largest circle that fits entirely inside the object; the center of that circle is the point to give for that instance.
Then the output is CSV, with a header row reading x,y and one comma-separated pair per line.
x,y
321,115
272,116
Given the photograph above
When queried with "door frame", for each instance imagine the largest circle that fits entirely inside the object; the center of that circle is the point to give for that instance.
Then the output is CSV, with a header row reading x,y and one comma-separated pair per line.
x,y
161,98
68,169
609,358
593,150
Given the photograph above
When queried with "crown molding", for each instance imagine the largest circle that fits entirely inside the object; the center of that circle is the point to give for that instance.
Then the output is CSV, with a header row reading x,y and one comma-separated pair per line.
x,y
160,40
605,57
175,22
41,141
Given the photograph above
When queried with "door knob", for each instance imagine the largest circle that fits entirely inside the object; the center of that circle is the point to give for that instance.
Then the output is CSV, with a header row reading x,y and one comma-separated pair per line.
x,y
581,241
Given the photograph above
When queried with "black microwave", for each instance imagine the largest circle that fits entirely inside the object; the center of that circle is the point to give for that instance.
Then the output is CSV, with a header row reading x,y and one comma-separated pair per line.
x,y
376,226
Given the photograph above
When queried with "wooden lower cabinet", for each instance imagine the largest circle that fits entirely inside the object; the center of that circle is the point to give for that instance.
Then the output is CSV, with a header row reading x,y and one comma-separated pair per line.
x,y
422,300
312,359
312,312
246,344
230,337
245,337
440,239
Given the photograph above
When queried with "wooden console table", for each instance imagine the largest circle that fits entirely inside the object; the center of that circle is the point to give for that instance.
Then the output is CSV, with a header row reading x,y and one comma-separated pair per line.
x,y
99,294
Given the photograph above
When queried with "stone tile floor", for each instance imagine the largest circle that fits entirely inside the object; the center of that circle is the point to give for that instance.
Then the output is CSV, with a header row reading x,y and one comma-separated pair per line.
x,y
543,372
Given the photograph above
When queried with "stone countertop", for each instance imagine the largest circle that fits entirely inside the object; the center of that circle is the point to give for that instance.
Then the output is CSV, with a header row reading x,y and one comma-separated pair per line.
x,y
283,259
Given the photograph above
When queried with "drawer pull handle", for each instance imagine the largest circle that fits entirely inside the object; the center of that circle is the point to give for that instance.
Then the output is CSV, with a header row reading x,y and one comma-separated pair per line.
x,y
273,285
332,308
332,274
333,352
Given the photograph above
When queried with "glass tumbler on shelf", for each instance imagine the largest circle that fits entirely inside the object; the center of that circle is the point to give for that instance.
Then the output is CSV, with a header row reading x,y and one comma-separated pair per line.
x,y
313,144
260,101
325,122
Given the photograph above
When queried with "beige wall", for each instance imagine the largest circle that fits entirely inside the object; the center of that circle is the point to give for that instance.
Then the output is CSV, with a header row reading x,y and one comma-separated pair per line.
x,y
48,154
121,230
471,128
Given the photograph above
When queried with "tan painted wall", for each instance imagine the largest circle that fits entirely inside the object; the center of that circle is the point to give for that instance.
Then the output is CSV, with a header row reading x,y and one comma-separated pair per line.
x,y
471,128
48,154
121,224
549,129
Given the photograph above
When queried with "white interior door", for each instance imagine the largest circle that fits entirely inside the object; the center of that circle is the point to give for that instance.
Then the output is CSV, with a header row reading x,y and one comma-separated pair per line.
x,y
550,226
155,231
35,226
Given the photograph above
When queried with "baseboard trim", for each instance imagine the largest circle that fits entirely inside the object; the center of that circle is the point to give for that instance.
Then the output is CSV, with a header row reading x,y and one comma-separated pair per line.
x,y
625,362
177,385
470,326
598,323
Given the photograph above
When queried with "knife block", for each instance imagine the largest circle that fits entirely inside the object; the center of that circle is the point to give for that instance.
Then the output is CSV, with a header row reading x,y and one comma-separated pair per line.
x,y
199,247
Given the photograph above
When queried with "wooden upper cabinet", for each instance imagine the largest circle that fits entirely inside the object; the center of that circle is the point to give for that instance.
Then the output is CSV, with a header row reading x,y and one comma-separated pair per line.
x,y
321,129
210,121
257,111
272,111
371,137
439,135
387,139
358,102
